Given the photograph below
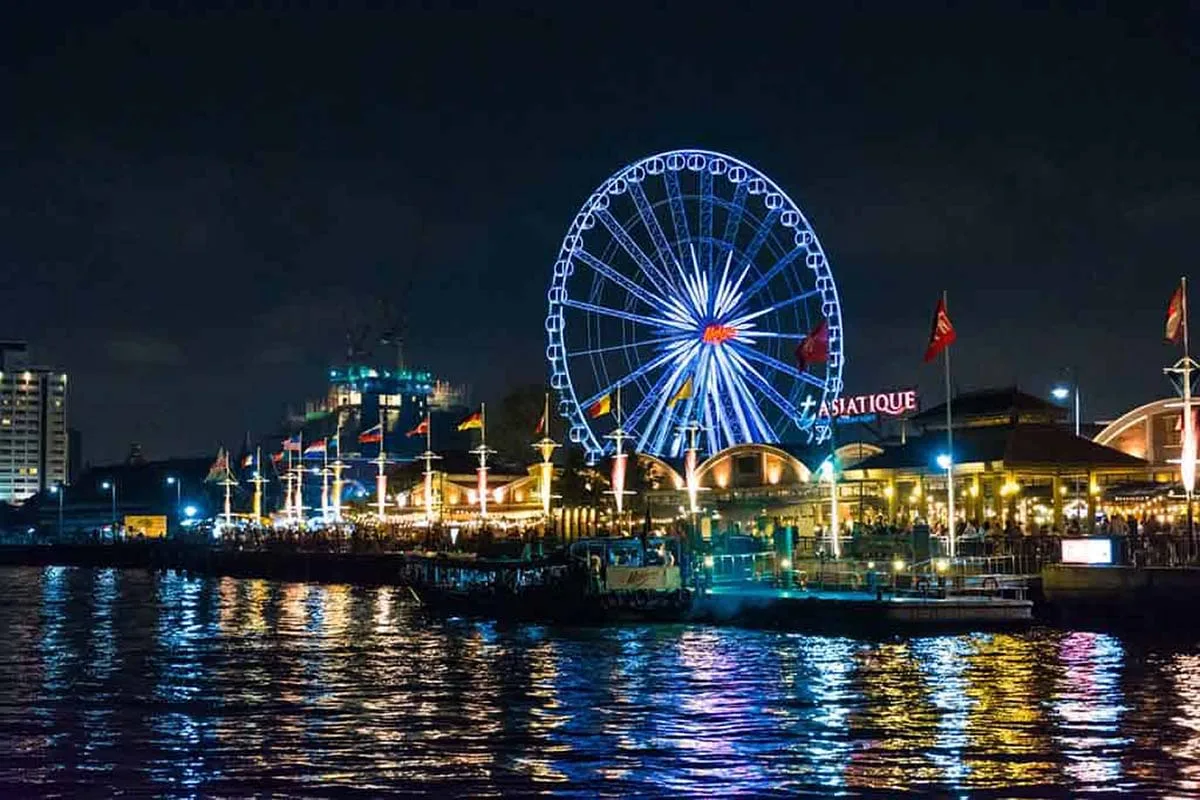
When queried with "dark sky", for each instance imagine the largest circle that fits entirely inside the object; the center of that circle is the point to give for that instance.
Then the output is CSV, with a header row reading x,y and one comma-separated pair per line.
x,y
192,205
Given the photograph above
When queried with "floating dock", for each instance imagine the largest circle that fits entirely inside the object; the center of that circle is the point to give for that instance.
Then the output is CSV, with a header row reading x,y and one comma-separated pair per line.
x,y
824,610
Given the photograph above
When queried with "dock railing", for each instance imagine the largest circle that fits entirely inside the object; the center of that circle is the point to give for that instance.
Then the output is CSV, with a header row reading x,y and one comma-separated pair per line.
x,y
986,576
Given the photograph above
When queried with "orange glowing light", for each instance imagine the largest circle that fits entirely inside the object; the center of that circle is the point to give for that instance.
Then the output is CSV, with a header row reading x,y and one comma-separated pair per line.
x,y
715,334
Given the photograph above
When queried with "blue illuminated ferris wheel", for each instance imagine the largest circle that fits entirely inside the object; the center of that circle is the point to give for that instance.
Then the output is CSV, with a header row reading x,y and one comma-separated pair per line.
x,y
686,281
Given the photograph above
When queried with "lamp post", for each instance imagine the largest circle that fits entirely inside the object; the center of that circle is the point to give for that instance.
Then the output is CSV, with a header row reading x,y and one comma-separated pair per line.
x,y
60,490
178,484
946,462
828,472
111,486
1063,391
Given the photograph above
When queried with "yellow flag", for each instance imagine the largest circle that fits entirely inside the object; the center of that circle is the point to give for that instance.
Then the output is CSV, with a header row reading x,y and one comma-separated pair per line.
x,y
600,407
685,391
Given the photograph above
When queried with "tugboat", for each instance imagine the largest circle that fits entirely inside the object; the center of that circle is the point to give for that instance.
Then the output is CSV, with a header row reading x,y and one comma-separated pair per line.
x,y
594,581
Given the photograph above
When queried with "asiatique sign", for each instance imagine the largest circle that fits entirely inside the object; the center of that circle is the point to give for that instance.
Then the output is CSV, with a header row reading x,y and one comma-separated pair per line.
x,y
860,407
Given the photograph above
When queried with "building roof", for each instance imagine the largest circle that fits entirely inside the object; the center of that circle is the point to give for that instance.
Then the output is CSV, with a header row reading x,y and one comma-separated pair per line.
x,y
1009,401
1015,445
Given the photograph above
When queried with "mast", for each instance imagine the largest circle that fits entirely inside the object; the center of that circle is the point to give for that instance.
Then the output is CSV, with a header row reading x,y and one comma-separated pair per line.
x,y
546,447
380,478
619,435
950,528
258,480
287,472
338,466
325,480
429,456
482,470
228,483
298,503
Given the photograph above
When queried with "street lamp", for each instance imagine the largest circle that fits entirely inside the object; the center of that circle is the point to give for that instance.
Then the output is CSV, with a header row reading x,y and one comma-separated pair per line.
x,y
111,486
945,462
827,472
60,490
1062,392
178,484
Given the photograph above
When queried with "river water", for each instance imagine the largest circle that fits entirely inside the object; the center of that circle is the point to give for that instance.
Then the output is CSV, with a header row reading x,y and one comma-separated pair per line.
x,y
129,681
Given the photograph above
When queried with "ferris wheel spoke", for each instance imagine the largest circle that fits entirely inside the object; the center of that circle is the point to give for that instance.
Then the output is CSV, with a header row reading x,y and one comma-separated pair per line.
x,y
649,366
648,400
631,247
715,397
649,298
776,364
612,348
753,375
706,221
657,324
747,412
776,268
650,221
678,213
787,301
736,208
685,358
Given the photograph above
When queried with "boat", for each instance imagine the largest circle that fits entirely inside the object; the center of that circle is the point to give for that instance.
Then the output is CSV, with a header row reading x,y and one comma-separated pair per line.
x,y
592,581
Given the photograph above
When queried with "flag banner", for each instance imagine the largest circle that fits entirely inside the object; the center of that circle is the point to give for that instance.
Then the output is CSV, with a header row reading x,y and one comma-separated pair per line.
x,y
1175,316
421,429
471,422
942,333
316,448
683,393
219,468
600,407
277,457
292,444
248,461
814,348
541,426
372,435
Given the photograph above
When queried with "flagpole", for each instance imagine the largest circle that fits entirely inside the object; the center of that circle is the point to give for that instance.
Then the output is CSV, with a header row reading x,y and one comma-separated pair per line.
x,y
429,457
259,480
380,479
298,505
325,480
949,447
1189,428
482,462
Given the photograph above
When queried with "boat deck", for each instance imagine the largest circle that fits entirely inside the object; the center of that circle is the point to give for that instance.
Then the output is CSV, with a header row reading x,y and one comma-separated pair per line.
x,y
803,608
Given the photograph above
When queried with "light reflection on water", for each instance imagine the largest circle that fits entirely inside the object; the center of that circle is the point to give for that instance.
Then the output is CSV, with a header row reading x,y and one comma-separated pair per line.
x,y
183,686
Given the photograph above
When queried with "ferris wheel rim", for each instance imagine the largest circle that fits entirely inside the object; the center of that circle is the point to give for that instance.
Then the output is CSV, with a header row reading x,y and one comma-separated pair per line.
x,y
571,405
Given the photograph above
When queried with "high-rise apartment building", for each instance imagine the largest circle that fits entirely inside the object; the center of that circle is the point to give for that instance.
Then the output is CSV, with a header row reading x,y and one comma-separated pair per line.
x,y
33,425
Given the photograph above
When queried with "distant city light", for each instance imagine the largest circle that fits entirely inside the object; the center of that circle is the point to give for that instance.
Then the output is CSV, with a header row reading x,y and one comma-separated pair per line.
x,y
190,511
944,461
1060,392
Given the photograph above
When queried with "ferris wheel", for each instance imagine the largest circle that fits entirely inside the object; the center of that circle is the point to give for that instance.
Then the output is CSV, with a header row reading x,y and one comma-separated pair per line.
x,y
683,288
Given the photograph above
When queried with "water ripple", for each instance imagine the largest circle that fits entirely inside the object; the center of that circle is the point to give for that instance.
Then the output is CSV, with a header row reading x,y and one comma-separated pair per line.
x,y
178,686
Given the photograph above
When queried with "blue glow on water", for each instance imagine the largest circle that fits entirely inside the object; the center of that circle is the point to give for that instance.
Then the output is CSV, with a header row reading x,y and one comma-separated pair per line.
x,y
134,682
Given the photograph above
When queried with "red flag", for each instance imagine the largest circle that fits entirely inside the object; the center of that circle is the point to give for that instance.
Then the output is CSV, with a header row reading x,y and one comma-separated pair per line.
x,y
541,426
372,435
814,348
1175,316
276,457
421,429
942,334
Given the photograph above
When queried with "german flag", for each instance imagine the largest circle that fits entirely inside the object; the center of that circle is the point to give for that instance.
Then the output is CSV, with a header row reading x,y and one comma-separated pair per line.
x,y
472,422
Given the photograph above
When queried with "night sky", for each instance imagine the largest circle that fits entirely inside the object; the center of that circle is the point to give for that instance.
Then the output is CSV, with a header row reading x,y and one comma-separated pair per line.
x,y
194,207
